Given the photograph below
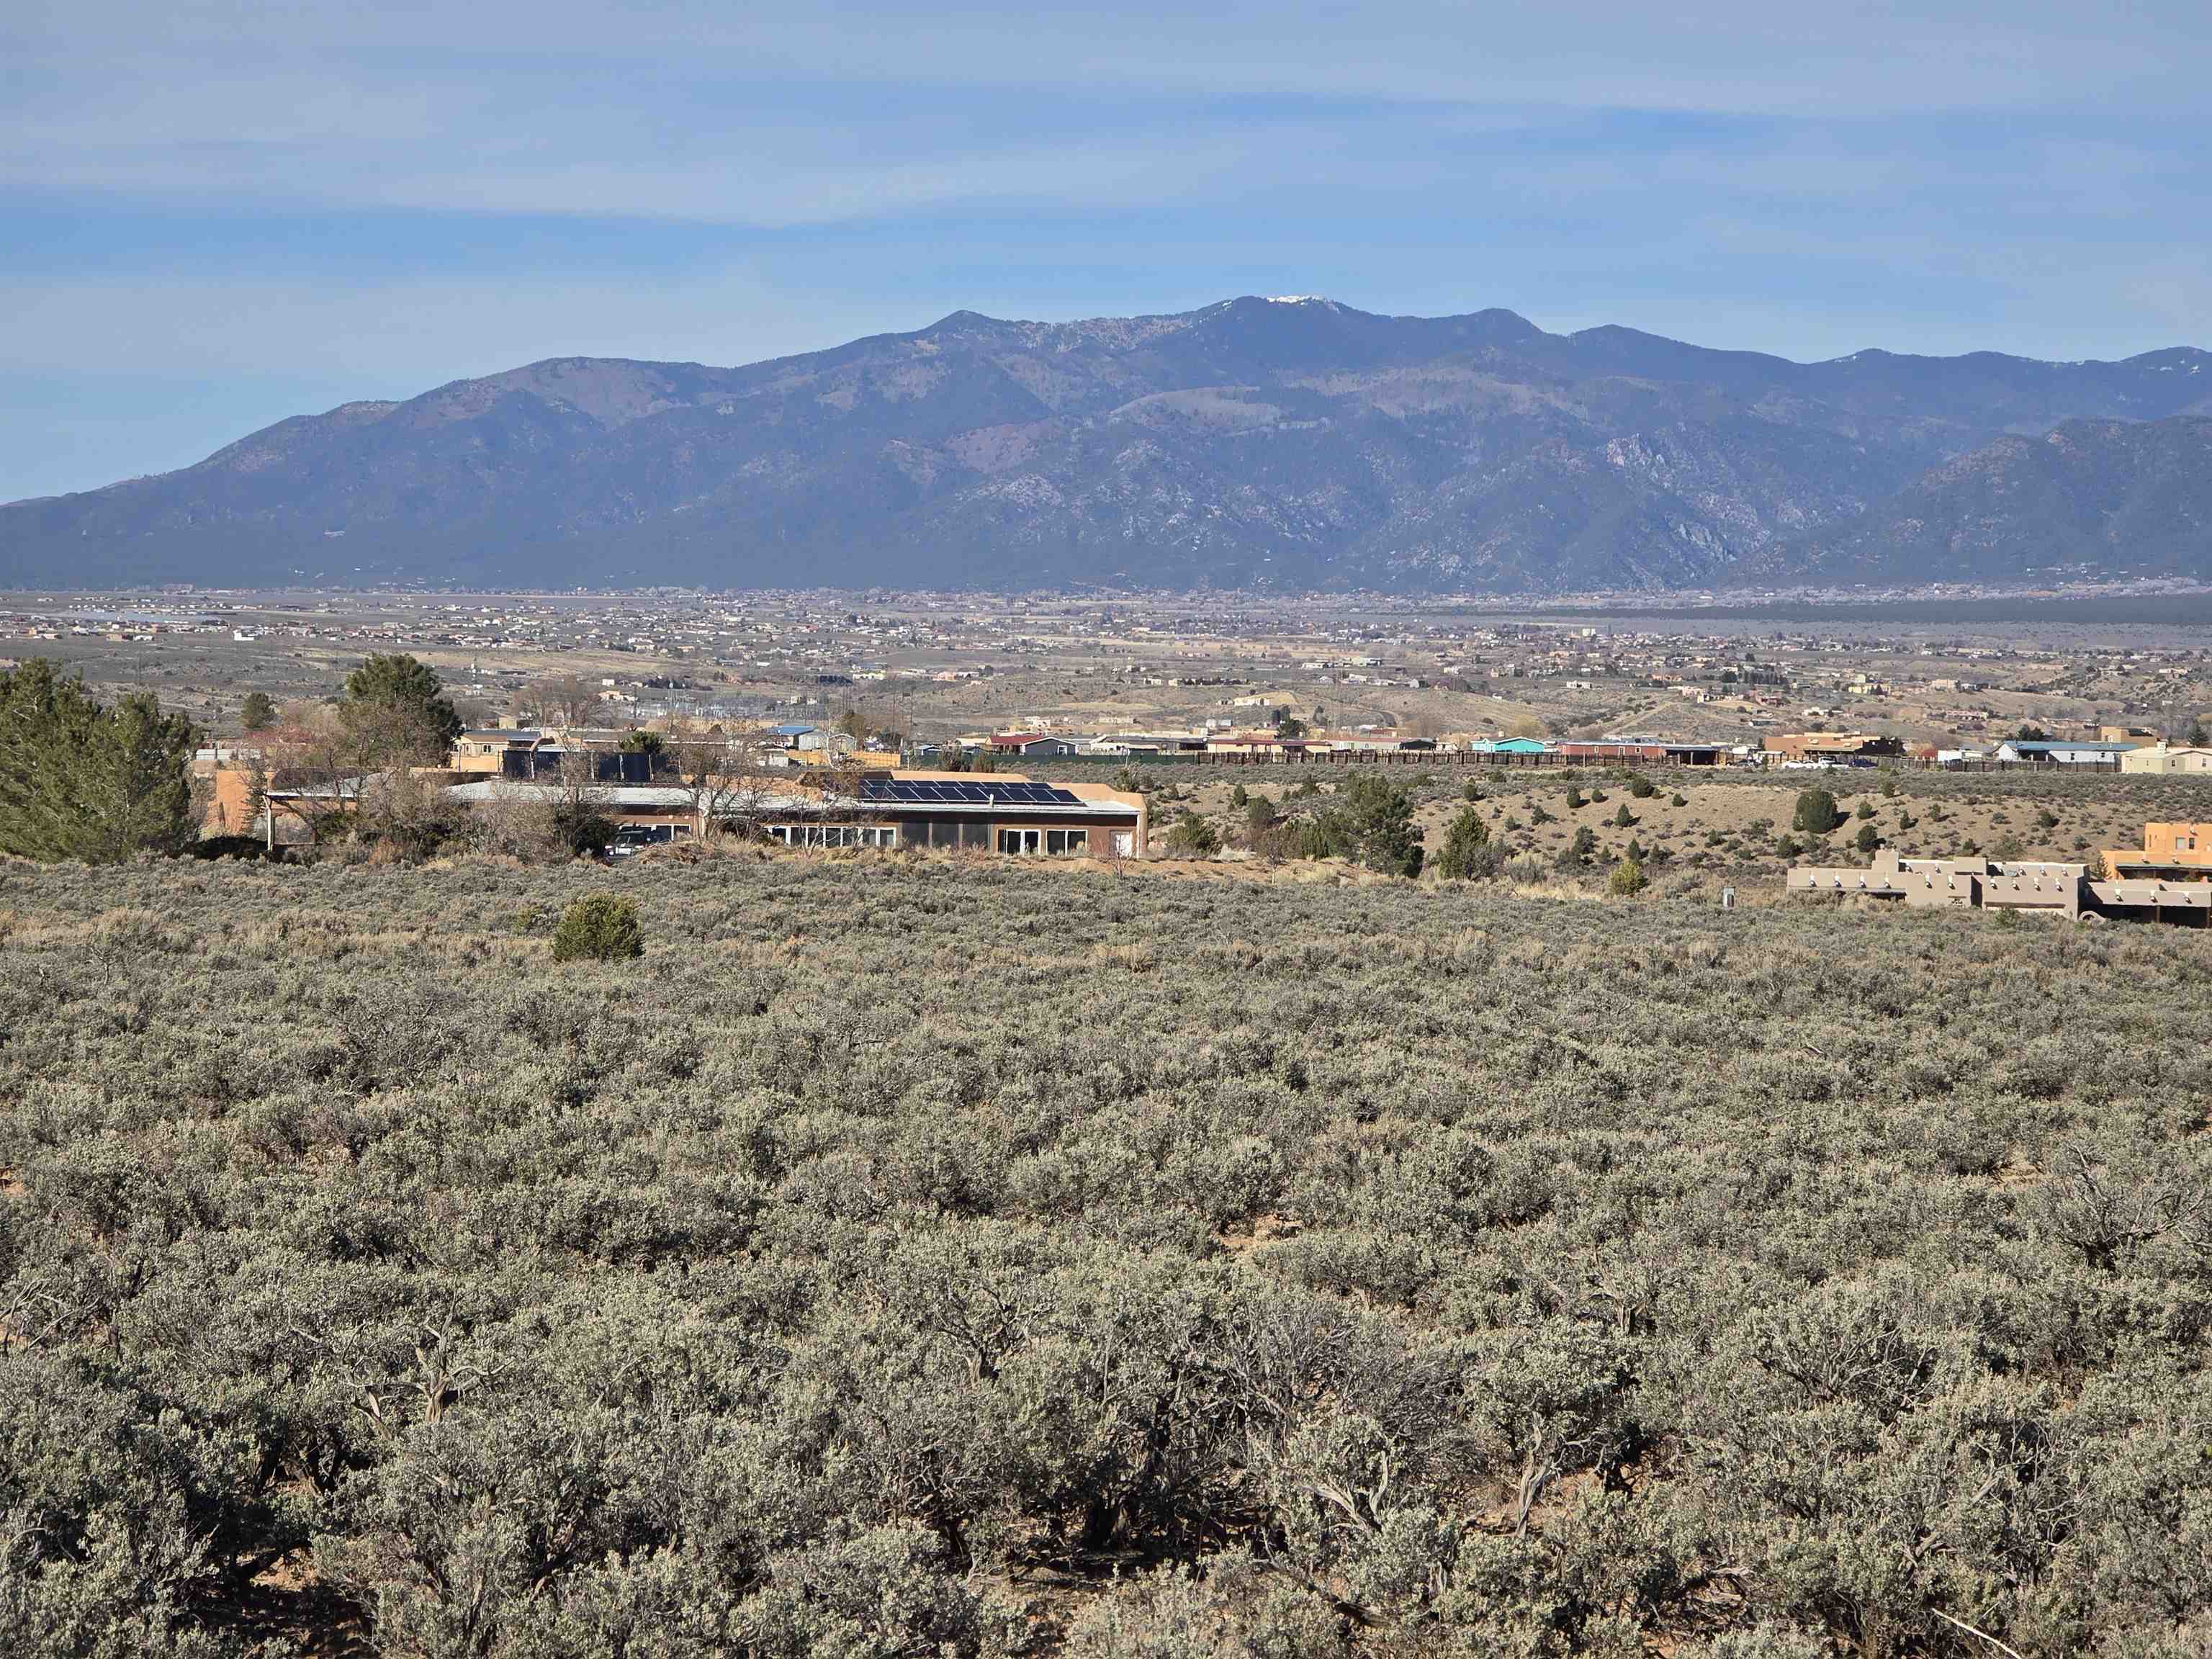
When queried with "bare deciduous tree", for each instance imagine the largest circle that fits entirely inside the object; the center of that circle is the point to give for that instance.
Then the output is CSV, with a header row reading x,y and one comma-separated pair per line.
x,y
563,700
724,772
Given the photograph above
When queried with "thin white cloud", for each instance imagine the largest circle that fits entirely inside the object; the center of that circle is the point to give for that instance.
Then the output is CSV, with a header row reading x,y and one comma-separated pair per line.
x,y
500,100
1725,55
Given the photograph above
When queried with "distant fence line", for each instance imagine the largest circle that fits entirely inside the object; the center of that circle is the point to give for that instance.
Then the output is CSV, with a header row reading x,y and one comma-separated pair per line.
x,y
1434,757
2068,767
1449,757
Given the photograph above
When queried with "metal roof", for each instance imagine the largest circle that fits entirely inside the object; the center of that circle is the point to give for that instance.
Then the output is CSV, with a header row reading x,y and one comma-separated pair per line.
x,y
549,789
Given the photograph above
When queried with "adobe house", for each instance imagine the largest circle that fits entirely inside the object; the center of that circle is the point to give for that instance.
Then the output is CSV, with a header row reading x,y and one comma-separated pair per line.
x,y
2170,851
487,750
232,807
1952,883
2170,882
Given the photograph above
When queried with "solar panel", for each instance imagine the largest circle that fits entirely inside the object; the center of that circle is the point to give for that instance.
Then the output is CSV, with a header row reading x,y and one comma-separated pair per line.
x,y
933,792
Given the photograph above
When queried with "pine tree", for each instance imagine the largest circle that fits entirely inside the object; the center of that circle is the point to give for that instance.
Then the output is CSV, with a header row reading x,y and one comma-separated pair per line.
x,y
81,781
1464,847
396,709
1381,818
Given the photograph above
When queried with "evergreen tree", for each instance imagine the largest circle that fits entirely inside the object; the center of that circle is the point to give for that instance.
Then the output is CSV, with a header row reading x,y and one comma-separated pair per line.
x,y
1380,816
1816,812
81,781
1465,845
396,709
1194,837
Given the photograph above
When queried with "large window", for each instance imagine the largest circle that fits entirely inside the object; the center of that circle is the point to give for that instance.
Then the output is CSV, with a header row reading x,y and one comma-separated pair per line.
x,y
835,835
1055,844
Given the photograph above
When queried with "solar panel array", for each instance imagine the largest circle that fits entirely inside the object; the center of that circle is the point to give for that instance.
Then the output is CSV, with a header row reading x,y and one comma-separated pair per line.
x,y
933,792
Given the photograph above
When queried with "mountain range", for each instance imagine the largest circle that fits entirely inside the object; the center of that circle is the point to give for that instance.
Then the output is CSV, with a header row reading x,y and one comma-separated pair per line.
x,y
1293,443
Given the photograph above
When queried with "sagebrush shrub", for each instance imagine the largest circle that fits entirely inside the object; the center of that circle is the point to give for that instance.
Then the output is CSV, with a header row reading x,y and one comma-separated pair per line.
x,y
1290,1246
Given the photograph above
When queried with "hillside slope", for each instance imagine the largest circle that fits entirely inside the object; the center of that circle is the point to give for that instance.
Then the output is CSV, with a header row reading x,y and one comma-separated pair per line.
x,y
2109,495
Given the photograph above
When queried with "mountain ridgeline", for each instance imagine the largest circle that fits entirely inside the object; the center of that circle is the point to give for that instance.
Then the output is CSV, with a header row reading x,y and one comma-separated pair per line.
x,y
1290,444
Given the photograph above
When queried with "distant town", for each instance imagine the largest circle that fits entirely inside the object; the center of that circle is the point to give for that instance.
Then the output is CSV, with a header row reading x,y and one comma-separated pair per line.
x,y
1169,672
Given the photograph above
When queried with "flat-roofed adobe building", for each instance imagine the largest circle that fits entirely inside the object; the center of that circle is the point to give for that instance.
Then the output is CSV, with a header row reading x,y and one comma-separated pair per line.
x,y
486,749
2170,851
1952,883
2171,882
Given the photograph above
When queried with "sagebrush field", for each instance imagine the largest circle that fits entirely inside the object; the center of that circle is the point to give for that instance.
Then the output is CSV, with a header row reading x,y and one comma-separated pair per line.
x,y
906,1257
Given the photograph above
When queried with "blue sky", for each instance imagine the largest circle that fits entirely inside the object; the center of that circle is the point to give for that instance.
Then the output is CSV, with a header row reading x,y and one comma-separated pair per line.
x,y
215,215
